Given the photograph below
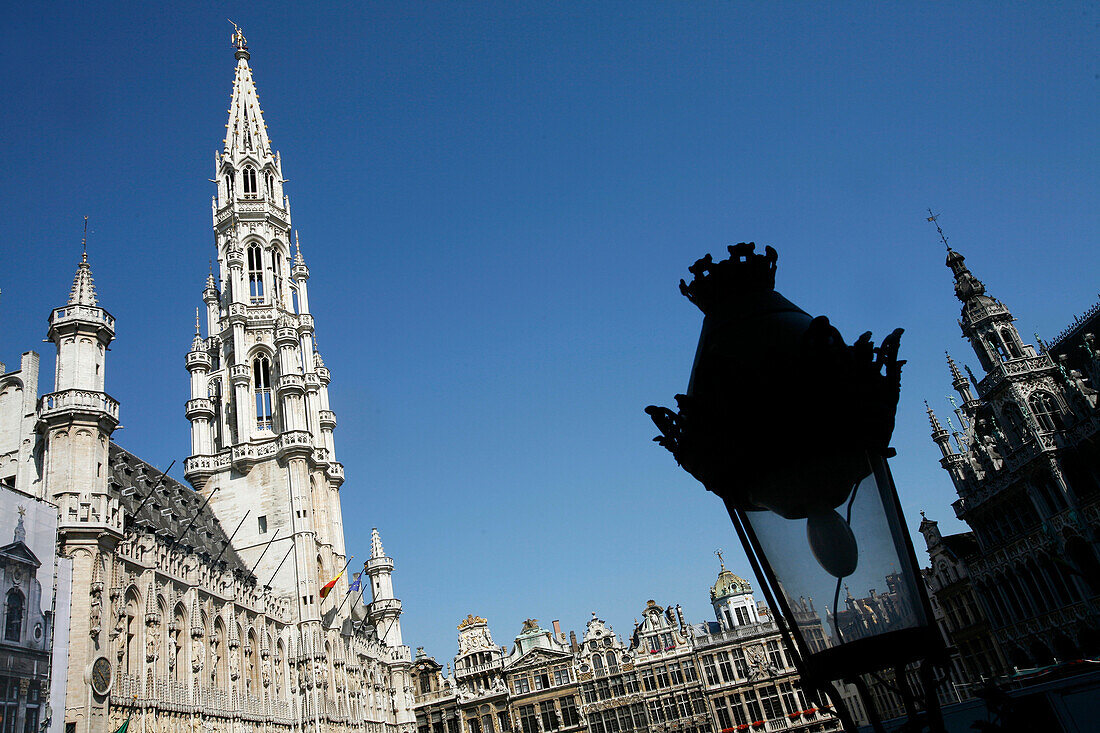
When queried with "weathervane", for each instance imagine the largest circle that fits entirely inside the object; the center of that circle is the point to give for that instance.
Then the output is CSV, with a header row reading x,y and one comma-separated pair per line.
x,y
934,219
84,242
721,562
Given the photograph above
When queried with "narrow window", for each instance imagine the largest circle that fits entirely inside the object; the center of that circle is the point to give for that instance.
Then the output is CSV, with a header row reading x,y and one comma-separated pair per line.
x,y
277,273
261,378
249,174
228,187
270,181
262,524
255,275
214,392
13,616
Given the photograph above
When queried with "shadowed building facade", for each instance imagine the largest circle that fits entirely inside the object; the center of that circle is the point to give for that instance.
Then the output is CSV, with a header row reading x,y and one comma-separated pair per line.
x,y
1025,462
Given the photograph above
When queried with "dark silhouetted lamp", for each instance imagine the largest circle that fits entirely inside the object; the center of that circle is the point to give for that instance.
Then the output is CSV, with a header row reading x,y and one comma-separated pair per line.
x,y
791,427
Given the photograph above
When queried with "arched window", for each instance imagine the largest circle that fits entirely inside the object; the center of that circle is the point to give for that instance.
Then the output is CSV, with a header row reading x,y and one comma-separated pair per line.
x,y
249,175
270,181
612,662
255,275
597,663
1045,408
179,662
261,380
229,187
13,616
1009,340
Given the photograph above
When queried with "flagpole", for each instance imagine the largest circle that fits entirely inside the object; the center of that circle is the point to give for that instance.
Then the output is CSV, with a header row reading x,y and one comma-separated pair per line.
x,y
194,518
348,594
280,565
261,557
226,545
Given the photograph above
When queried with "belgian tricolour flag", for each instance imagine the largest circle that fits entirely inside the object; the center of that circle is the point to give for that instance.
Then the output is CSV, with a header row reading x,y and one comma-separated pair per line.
x,y
331,584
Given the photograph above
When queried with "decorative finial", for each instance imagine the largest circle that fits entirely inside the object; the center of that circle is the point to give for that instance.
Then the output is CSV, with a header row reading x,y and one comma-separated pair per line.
x,y
721,562
197,331
743,271
84,242
934,218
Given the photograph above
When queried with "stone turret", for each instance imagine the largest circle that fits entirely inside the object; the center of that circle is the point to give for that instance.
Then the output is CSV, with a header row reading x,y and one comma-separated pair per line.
x,y
78,417
385,610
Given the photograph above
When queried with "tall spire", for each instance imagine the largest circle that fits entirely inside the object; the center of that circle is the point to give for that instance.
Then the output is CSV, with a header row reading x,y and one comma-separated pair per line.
x,y
83,290
245,131
376,544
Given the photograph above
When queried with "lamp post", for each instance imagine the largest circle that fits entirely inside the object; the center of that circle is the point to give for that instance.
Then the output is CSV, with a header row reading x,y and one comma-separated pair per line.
x,y
791,427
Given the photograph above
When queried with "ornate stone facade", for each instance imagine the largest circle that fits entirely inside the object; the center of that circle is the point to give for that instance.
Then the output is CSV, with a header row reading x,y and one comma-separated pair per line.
x,y
1025,461
200,607
715,677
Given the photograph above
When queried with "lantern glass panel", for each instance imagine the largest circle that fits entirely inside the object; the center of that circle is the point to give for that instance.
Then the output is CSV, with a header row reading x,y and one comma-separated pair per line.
x,y
846,574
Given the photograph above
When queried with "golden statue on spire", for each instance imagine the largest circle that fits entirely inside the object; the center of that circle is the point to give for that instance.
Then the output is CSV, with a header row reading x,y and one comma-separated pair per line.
x,y
237,37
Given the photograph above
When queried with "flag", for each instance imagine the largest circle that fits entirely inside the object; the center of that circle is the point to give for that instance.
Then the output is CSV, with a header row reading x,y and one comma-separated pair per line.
x,y
353,587
330,585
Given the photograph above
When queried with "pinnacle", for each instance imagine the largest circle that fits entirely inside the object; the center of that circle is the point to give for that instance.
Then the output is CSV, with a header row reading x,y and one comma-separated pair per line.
x,y
196,343
955,373
83,290
932,419
376,545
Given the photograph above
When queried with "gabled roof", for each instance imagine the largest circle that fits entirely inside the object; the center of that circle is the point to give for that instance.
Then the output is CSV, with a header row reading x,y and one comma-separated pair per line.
x,y
19,552
539,656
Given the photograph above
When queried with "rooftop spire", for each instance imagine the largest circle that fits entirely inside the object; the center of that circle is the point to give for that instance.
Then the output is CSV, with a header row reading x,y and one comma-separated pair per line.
x,y
376,544
245,131
83,290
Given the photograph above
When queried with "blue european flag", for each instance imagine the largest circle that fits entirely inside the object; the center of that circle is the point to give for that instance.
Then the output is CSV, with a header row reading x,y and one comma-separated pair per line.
x,y
353,587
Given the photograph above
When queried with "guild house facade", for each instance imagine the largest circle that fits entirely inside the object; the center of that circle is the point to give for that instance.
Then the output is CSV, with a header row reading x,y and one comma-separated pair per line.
x,y
722,676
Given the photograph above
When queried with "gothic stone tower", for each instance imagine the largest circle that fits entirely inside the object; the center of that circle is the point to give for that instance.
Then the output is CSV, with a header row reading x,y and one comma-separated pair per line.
x,y
261,427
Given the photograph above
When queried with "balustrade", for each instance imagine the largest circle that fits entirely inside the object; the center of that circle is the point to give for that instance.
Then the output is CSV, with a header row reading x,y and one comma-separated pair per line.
x,y
77,399
83,313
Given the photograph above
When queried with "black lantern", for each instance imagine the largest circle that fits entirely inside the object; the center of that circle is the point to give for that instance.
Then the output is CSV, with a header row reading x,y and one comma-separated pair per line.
x,y
791,427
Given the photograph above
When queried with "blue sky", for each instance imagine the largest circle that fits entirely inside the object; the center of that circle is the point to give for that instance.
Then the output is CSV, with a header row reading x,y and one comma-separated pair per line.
x,y
496,202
